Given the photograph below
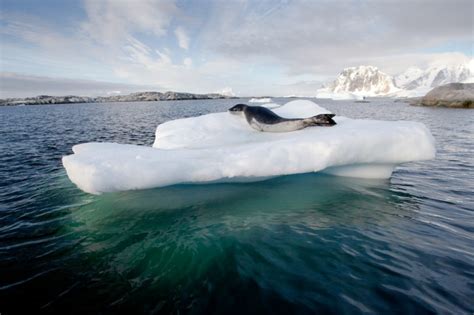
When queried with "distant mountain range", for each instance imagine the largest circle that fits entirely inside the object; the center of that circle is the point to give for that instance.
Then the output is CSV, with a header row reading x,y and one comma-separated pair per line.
x,y
356,82
352,83
134,97
369,81
417,82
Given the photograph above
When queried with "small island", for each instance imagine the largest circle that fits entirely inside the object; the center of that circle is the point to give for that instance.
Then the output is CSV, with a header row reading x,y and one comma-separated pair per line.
x,y
453,95
133,97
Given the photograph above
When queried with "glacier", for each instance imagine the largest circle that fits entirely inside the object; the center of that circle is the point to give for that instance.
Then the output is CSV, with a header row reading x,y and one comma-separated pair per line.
x,y
221,147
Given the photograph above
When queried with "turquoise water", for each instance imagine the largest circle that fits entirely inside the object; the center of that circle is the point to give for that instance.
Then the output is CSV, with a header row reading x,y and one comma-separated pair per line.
x,y
309,243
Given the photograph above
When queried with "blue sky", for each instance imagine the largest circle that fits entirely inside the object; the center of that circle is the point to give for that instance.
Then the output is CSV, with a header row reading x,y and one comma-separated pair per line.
x,y
249,47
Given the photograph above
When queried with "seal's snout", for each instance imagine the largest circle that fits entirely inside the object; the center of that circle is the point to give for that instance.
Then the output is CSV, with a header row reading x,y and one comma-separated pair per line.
x,y
237,108
324,120
329,119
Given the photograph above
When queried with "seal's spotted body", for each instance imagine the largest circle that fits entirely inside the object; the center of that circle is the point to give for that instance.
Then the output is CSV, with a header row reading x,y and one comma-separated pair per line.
x,y
263,119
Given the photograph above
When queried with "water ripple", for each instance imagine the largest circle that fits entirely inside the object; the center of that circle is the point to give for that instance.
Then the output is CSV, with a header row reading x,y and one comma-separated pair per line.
x,y
297,244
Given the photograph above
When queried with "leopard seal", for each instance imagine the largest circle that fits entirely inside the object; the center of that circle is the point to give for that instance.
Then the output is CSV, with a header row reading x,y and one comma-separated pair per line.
x,y
263,119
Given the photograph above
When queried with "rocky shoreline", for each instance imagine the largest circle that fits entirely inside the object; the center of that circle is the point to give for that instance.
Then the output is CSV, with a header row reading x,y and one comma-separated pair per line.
x,y
133,97
453,95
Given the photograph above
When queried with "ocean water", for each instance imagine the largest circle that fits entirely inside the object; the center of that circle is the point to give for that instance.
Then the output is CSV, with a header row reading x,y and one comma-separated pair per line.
x,y
299,244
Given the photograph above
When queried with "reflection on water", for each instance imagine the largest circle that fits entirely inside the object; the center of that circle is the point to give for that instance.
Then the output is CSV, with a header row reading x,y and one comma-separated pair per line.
x,y
216,241
296,244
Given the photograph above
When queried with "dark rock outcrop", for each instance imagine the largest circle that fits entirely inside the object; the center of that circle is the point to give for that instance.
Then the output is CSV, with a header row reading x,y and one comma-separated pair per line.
x,y
134,97
456,95
45,99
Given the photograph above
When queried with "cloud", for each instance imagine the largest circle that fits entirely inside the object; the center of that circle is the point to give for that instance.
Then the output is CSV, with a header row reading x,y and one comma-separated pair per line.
x,y
18,85
130,60
325,36
188,62
112,21
147,66
227,91
182,37
265,47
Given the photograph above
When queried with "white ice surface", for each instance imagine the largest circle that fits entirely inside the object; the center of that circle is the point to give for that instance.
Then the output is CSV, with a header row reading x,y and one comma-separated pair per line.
x,y
260,100
338,96
222,147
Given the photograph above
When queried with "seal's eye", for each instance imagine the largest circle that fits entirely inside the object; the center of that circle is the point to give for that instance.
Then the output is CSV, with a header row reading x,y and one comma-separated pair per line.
x,y
237,108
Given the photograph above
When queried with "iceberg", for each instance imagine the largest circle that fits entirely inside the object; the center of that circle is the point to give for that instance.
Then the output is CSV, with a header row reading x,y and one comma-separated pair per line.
x,y
222,147
260,100
338,96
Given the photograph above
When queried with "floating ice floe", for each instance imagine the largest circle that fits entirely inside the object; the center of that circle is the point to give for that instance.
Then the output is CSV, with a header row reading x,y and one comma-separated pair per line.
x,y
222,147
339,96
260,100
270,105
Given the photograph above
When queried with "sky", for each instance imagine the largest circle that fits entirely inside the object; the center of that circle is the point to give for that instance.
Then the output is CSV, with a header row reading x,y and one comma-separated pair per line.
x,y
249,48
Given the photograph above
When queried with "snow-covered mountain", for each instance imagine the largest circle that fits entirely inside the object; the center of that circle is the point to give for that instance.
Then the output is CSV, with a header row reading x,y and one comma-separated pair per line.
x,y
417,82
360,81
357,82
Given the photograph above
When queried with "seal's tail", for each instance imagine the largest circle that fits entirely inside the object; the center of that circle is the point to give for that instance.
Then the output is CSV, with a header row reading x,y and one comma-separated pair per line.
x,y
321,120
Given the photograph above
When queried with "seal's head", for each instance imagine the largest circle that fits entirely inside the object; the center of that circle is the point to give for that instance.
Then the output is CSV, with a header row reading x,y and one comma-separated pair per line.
x,y
237,109
323,120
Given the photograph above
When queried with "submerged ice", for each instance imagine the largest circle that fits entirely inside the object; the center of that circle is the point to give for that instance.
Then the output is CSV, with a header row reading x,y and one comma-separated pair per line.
x,y
221,147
